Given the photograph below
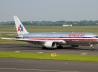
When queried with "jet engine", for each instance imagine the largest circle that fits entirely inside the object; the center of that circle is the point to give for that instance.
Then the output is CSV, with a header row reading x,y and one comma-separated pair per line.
x,y
50,44
53,44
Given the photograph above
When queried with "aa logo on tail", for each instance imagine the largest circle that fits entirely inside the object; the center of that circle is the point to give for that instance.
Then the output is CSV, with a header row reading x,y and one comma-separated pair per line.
x,y
20,28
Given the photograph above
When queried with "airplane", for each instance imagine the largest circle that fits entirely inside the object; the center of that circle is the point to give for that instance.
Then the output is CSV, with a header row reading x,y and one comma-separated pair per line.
x,y
54,40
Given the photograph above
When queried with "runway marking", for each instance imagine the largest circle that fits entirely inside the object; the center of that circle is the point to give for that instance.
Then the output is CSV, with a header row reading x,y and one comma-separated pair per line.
x,y
36,70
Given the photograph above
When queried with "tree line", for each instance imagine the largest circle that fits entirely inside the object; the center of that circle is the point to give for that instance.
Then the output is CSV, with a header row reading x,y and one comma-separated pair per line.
x,y
55,23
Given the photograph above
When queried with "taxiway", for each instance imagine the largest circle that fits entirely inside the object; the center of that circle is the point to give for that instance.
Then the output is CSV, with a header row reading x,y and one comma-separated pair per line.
x,y
25,65
32,48
19,65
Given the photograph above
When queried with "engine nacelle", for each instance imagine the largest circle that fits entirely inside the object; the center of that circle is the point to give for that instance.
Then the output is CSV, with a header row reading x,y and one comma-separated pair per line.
x,y
50,44
53,44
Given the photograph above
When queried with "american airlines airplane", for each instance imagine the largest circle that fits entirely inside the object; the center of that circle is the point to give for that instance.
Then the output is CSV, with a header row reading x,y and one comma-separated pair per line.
x,y
53,40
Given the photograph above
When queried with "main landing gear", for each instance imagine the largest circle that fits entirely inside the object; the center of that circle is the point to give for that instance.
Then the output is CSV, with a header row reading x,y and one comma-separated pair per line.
x,y
92,46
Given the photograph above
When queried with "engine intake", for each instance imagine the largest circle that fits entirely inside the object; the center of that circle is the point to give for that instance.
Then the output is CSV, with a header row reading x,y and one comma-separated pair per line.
x,y
50,44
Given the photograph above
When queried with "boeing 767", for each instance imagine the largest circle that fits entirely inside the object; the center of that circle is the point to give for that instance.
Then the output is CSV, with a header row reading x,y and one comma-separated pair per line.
x,y
53,40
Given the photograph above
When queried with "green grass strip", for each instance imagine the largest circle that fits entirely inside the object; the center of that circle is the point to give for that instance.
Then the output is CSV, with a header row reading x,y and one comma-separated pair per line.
x,y
48,56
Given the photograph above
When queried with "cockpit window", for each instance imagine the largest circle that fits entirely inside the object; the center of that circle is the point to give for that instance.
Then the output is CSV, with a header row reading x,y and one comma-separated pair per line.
x,y
96,36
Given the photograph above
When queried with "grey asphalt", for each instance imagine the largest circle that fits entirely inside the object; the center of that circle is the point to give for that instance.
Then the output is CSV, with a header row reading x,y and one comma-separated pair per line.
x,y
19,65
32,48
22,65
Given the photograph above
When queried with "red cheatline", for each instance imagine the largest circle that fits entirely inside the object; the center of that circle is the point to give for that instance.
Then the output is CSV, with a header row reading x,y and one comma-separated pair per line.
x,y
64,38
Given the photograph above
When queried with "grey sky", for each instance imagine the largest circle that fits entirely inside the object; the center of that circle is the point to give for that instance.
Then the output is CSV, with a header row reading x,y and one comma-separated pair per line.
x,y
49,9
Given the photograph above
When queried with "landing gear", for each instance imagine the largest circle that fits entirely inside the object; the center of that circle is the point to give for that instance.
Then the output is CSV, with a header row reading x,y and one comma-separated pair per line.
x,y
46,48
59,46
92,46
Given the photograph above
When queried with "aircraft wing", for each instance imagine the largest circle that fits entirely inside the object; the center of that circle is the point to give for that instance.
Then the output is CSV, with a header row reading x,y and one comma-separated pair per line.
x,y
20,39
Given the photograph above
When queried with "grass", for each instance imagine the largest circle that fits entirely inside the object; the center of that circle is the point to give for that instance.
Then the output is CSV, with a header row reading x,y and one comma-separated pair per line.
x,y
7,30
49,56
53,29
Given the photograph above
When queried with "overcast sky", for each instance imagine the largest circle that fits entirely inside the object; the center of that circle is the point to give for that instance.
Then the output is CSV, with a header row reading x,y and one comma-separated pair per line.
x,y
49,10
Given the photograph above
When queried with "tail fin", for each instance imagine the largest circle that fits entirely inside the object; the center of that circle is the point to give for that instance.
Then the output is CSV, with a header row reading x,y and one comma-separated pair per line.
x,y
19,26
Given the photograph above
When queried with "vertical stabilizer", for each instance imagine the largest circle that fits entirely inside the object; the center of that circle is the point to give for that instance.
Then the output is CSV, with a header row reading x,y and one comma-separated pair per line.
x,y
19,27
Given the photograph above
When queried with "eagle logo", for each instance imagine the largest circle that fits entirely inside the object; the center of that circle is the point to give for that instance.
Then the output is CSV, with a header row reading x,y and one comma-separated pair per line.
x,y
20,28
